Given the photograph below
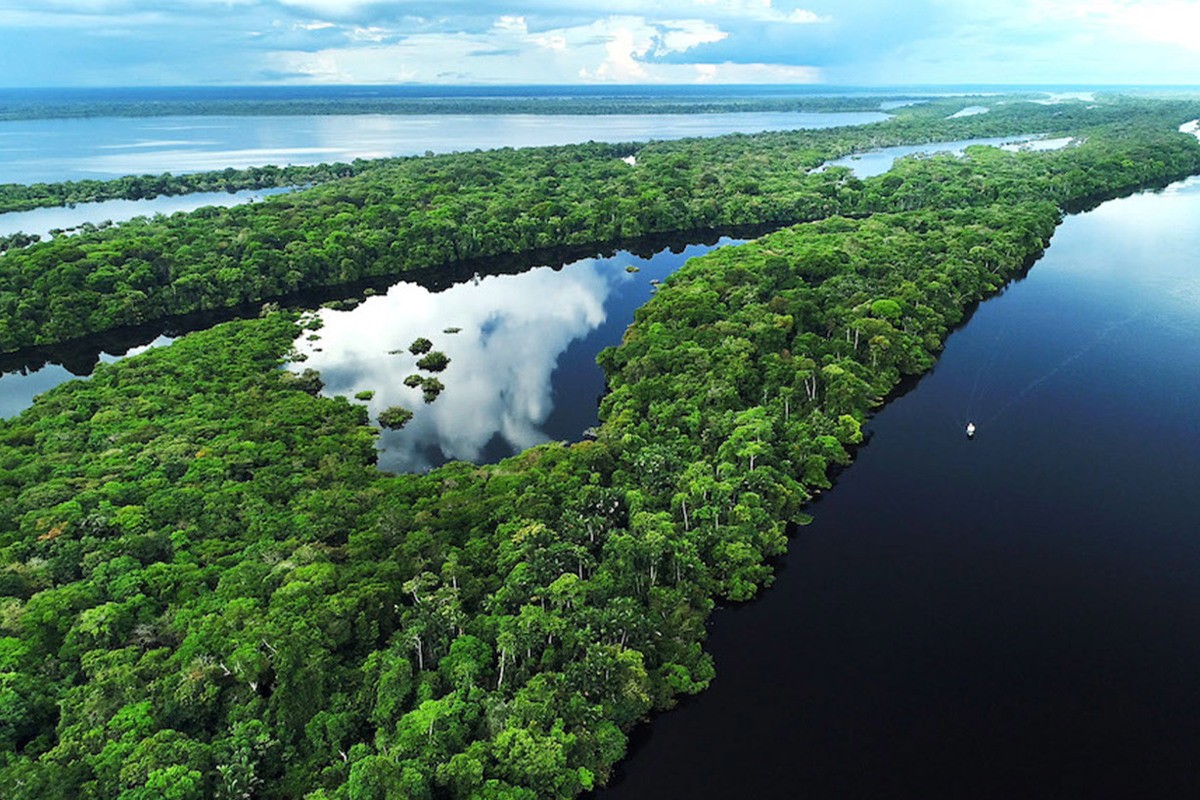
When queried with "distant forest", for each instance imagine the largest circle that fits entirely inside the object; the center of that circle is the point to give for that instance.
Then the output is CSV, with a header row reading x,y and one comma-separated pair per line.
x,y
29,105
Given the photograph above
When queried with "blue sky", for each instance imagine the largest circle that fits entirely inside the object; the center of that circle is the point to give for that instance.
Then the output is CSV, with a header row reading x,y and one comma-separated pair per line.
x,y
840,42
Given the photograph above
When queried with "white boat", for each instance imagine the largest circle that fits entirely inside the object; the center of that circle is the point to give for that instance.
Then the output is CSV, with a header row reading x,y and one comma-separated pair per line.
x,y
970,430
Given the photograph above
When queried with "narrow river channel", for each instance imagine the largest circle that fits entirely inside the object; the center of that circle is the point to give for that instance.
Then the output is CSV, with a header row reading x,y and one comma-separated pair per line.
x,y
1013,616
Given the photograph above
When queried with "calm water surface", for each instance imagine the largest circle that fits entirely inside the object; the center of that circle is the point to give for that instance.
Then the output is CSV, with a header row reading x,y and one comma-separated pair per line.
x,y
20,386
877,162
522,369
1014,616
41,221
970,111
524,362
109,147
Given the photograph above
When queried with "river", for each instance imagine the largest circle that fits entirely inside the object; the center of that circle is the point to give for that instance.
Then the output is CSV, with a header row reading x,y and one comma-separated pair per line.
x,y
871,163
41,221
110,147
1013,616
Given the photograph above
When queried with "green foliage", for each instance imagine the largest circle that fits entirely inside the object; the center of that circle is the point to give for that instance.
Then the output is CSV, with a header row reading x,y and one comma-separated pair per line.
x,y
395,417
420,345
17,240
208,590
17,197
430,389
434,362
392,216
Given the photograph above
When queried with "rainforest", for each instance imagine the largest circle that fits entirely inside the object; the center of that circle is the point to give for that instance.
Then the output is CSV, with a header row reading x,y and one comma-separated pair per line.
x,y
209,590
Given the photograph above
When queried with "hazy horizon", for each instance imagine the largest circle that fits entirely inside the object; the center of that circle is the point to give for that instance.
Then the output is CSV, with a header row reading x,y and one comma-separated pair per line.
x,y
860,43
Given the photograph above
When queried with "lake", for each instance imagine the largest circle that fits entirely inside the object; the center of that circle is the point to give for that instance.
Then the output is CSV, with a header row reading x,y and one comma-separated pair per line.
x,y
522,366
871,163
1013,616
110,147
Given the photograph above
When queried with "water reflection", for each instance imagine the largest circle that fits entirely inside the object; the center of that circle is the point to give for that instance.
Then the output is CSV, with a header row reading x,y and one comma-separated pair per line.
x,y
877,162
969,111
1007,614
41,221
522,366
107,147
19,387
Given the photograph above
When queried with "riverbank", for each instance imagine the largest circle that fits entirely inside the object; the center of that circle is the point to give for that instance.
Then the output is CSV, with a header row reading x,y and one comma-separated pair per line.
x,y
999,617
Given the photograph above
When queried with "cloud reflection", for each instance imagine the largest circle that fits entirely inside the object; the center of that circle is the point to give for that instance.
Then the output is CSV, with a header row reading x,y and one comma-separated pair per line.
x,y
498,387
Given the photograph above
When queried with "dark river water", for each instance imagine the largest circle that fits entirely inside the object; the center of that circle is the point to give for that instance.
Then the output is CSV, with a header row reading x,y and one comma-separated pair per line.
x,y
1013,616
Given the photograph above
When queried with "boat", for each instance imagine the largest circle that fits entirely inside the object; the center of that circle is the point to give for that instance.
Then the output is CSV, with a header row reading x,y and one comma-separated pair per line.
x,y
970,430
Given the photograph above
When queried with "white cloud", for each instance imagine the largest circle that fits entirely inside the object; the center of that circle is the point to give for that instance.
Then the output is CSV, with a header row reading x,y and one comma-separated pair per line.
x,y
511,24
802,16
622,63
681,35
62,42
551,42
371,34
625,49
1173,22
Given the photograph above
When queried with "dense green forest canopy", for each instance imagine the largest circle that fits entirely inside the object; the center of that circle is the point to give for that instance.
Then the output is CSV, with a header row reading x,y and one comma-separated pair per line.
x,y
400,215
930,118
23,197
208,590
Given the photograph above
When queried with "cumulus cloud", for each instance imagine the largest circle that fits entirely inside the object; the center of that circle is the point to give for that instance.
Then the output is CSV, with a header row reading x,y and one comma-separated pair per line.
x,y
622,63
613,49
677,36
80,42
551,41
511,23
371,34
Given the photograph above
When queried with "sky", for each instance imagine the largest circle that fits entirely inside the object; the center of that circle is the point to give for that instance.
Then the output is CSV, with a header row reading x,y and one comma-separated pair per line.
x,y
835,42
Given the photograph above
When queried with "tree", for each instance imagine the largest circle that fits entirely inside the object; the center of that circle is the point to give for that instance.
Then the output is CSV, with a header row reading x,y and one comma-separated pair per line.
x,y
395,417
434,362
